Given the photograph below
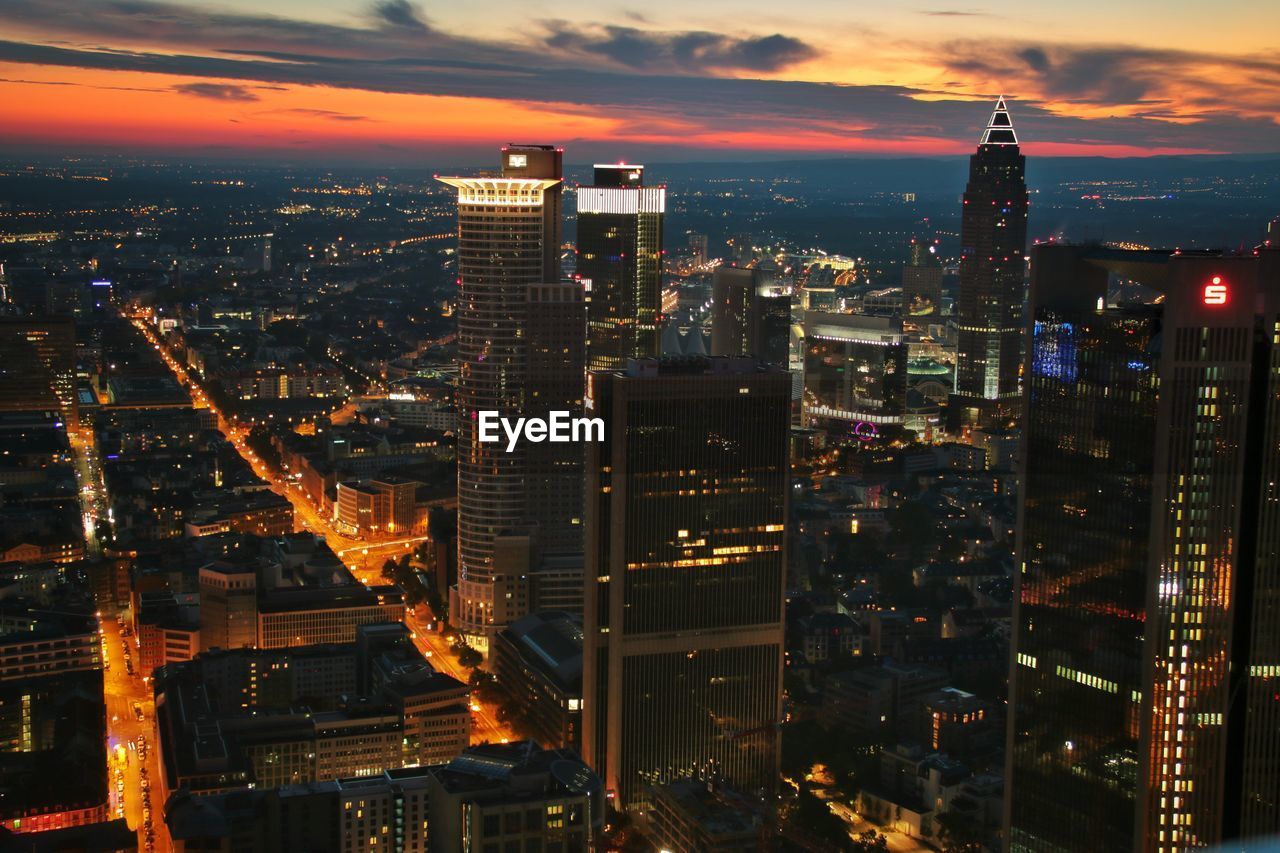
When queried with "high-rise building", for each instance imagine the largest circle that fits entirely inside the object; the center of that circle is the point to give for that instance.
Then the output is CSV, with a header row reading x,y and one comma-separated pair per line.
x,y
508,251
855,372
620,256
38,364
989,305
922,279
686,532
698,248
555,327
1143,688
750,314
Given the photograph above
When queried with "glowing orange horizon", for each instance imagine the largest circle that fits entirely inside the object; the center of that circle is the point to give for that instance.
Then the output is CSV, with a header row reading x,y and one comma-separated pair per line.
x,y
149,112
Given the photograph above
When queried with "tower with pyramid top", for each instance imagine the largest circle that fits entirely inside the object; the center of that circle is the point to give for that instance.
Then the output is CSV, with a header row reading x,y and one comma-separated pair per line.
x,y
989,305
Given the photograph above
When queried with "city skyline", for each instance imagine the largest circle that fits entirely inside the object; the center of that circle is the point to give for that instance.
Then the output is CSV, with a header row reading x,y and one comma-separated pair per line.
x,y
913,514
396,82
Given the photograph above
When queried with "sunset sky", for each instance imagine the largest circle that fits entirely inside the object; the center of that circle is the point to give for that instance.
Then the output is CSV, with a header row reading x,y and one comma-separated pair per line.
x,y
406,83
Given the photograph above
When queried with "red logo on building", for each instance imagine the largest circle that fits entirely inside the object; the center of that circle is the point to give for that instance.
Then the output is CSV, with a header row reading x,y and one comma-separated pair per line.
x,y
1215,293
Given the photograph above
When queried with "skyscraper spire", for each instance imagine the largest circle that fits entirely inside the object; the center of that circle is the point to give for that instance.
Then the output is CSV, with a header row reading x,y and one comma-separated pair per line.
x,y
1000,127
988,307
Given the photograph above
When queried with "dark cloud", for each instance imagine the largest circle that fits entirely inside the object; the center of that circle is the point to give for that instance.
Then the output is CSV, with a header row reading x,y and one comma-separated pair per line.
x,y
328,114
692,51
646,79
955,13
1035,57
1124,76
79,85
764,102
217,91
400,13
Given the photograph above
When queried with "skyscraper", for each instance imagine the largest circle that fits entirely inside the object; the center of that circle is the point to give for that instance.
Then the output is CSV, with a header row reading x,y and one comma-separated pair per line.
x,y
1143,712
989,306
697,248
922,279
508,256
620,256
686,533
556,328
750,314
38,364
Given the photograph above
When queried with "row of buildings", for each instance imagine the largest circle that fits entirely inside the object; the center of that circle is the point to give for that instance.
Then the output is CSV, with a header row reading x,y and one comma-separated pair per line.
x,y
262,717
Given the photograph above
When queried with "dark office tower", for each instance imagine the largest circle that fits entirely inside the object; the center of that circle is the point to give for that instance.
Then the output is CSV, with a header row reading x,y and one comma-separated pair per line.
x,y
620,258
508,240
1144,682
38,364
698,248
989,307
750,314
922,279
686,534
556,330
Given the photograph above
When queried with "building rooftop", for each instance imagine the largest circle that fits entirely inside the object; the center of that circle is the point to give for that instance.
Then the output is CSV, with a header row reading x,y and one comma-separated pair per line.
x,y
717,812
695,365
20,623
107,837
553,639
519,770
146,391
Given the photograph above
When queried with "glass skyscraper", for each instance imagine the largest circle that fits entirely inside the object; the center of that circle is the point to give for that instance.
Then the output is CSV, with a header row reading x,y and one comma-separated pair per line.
x,y
989,305
750,313
686,536
1142,695
509,231
620,260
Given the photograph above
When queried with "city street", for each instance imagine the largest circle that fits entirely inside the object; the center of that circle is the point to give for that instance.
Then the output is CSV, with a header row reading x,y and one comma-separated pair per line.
x,y
898,842
126,695
364,558
485,727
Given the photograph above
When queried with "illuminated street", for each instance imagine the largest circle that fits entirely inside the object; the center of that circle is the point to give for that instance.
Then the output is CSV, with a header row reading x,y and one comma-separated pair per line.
x,y
897,841
364,558
485,727
125,695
